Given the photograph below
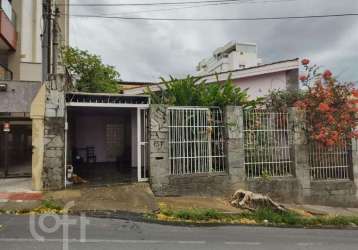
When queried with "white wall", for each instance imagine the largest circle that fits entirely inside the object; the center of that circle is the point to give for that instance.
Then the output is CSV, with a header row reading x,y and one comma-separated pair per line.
x,y
91,131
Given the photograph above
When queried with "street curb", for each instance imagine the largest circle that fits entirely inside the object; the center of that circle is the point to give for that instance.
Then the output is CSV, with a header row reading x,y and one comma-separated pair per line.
x,y
140,217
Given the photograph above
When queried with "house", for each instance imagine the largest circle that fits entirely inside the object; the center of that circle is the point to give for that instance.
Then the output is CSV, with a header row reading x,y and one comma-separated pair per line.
x,y
240,62
105,137
20,80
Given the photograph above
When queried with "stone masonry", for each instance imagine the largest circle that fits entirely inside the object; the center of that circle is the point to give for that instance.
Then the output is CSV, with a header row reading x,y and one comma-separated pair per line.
x,y
53,167
53,173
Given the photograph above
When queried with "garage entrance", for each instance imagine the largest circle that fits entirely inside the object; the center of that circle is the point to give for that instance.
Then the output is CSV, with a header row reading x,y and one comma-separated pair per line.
x,y
106,138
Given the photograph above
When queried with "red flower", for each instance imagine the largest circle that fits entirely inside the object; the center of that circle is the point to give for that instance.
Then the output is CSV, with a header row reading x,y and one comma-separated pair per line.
x,y
300,104
355,92
323,107
305,61
327,74
355,134
303,78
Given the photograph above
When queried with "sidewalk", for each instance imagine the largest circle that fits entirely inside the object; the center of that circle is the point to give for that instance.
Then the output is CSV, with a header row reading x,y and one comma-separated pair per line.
x,y
134,198
324,210
223,205
16,194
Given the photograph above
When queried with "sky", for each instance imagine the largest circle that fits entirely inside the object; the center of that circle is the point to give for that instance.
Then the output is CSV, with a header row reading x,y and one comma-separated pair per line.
x,y
147,50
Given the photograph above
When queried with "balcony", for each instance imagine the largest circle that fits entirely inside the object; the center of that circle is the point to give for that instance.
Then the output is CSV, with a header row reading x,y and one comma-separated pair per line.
x,y
8,36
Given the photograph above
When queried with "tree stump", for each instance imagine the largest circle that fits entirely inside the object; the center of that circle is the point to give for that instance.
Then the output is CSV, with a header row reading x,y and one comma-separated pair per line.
x,y
252,201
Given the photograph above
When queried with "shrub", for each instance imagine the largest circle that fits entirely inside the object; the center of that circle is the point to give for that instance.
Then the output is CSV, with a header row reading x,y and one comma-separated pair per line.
x,y
193,91
330,107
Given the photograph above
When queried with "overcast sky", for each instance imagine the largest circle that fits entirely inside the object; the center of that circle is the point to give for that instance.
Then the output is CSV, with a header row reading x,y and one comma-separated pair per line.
x,y
146,50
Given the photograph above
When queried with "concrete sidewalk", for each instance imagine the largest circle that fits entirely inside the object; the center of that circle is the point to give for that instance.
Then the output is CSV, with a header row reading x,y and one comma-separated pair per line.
x,y
135,198
16,194
324,210
223,205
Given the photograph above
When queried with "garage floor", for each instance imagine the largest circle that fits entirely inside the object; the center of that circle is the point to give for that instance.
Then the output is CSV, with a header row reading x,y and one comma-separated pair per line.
x,y
99,174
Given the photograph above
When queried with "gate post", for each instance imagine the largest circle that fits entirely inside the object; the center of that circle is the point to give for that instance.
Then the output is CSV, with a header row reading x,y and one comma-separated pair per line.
x,y
158,148
235,153
300,153
354,164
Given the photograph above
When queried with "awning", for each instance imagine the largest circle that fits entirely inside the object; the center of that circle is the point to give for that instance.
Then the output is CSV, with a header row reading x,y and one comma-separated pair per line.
x,y
82,99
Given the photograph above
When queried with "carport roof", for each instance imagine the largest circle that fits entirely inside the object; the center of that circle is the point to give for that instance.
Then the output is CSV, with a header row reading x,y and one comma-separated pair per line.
x,y
78,99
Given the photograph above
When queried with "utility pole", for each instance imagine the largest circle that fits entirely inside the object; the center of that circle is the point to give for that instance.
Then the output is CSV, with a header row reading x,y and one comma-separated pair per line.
x,y
46,39
55,42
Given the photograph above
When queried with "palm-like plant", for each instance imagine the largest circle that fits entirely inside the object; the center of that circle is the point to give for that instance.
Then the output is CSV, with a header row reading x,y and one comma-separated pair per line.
x,y
194,91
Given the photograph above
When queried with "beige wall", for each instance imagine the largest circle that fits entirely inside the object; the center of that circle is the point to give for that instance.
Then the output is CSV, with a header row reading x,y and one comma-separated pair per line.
x,y
37,116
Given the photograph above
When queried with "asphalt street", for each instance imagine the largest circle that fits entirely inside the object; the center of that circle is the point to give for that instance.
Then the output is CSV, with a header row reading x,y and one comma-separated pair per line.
x,y
50,233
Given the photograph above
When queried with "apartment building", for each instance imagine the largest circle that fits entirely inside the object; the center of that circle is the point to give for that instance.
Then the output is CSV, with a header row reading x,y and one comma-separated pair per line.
x,y
20,38
21,27
232,56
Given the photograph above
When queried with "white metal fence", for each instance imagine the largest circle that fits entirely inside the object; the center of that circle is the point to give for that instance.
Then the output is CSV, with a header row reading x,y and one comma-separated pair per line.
x,y
330,163
196,140
267,144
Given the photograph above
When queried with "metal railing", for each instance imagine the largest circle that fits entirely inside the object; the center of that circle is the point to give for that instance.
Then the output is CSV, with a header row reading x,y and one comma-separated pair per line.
x,y
330,163
196,140
267,144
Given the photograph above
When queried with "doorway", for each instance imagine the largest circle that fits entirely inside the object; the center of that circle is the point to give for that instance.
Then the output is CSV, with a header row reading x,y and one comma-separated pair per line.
x,y
16,150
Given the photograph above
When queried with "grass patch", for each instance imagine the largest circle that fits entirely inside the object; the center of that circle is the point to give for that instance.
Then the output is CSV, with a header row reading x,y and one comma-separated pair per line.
x,y
50,204
194,214
264,216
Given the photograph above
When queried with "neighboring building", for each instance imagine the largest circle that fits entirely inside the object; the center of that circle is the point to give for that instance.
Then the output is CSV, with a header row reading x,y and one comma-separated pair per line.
x,y
20,78
20,38
128,85
239,61
258,80
232,56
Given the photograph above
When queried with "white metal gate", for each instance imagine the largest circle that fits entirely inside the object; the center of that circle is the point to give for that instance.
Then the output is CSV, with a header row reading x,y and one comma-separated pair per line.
x,y
142,144
330,163
196,140
267,144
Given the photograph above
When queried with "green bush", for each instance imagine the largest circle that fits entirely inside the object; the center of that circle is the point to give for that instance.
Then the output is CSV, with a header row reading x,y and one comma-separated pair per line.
x,y
193,91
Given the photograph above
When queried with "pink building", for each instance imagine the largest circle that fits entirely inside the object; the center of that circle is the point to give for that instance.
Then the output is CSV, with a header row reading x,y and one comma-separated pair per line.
x,y
258,80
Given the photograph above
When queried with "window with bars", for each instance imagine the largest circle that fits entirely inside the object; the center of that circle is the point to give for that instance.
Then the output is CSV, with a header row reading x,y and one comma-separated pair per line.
x,y
196,140
267,144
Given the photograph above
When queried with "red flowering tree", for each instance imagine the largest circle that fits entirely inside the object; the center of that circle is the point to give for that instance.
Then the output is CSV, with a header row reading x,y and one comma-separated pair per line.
x,y
331,106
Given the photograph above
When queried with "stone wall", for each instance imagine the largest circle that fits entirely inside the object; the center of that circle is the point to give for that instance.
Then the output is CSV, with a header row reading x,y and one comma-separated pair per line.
x,y
53,173
164,184
298,189
158,148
